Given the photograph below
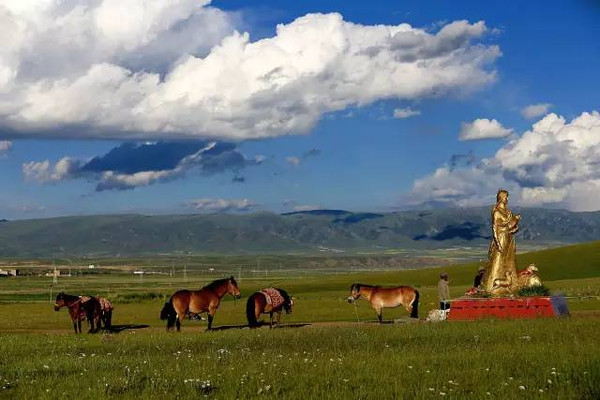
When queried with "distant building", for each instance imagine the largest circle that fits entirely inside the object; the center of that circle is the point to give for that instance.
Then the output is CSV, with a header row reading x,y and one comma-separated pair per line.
x,y
9,272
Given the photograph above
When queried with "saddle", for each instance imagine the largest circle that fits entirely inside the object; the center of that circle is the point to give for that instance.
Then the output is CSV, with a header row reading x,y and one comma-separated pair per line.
x,y
105,305
273,297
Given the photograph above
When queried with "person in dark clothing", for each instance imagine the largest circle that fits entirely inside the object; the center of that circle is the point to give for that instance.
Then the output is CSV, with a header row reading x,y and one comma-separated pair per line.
x,y
478,277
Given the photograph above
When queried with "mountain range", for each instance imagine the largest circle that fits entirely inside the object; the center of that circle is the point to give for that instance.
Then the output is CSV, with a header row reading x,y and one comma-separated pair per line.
x,y
264,232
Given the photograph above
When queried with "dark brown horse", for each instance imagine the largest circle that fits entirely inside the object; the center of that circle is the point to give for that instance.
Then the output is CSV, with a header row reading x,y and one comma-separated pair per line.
x,y
268,301
80,308
381,298
193,302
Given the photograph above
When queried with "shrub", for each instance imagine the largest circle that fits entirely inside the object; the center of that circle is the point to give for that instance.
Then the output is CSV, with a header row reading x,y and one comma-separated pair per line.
x,y
537,290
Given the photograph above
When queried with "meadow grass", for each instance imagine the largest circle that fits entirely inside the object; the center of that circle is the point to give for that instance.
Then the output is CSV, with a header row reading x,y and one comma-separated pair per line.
x,y
333,357
485,359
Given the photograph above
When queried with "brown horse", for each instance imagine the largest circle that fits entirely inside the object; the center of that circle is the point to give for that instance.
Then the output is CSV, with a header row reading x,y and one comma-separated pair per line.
x,y
381,298
193,302
268,301
80,308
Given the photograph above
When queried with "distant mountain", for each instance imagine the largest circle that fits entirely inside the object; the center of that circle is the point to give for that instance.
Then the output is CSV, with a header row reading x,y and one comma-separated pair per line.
x,y
263,232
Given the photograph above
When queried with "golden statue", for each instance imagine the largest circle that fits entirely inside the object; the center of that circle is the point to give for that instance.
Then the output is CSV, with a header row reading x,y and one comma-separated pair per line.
x,y
500,276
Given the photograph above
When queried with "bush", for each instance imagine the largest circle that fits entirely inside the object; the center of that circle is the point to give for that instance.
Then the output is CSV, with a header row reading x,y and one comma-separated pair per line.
x,y
537,290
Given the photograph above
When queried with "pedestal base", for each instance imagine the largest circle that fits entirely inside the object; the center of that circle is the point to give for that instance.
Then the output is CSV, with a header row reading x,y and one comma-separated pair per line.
x,y
505,307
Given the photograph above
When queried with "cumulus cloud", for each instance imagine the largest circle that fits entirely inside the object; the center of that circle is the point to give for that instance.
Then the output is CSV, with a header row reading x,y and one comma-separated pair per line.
x,y
208,205
132,165
483,128
43,171
150,69
535,110
5,146
555,163
405,113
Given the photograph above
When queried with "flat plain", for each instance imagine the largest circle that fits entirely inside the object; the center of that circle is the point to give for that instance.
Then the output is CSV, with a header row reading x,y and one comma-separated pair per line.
x,y
326,348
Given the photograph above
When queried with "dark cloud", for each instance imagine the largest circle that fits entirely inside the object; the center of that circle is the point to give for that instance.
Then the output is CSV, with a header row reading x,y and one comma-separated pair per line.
x,y
130,158
130,165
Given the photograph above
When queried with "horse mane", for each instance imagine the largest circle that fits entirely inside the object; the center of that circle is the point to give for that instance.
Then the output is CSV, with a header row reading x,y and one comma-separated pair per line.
x,y
359,285
215,284
287,305
66,296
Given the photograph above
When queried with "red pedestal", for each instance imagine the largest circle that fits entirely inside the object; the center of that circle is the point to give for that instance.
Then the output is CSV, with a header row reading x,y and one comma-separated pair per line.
x,y
504,307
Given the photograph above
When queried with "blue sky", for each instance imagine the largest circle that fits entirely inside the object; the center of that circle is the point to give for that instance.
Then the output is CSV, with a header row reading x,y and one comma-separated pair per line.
x,y
327,141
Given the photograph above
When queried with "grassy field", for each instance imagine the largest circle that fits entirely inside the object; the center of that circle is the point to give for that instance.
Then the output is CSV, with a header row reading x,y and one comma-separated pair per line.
x,y
330,356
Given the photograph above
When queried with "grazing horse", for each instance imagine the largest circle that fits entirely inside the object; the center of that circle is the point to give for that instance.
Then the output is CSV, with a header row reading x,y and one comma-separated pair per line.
x,y
381,298
80,308
268,301
193,302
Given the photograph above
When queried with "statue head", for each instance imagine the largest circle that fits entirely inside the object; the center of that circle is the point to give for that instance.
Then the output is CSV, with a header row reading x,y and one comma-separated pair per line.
x,y
502,196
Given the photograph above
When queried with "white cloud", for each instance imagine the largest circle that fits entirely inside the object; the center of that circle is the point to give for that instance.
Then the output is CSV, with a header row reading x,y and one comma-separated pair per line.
x,y
535,110
5,146
44,172
483,128
295,161
405,112
222,205
555,163
148,69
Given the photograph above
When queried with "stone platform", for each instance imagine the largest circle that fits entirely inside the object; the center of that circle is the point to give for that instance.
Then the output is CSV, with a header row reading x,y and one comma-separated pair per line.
x,y
468,308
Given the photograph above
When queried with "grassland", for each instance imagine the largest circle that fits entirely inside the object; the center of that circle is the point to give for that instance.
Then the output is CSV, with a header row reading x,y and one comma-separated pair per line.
x,y
331,357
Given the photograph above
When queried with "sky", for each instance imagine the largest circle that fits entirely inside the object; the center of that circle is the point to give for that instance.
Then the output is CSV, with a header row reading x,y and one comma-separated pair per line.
x,y
181,106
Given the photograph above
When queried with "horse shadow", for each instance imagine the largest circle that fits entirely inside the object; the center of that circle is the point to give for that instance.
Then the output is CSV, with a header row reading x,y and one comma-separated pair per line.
x,y
280,326
127,327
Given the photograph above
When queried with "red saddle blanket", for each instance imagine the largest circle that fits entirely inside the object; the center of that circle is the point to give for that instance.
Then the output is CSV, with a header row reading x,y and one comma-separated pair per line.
x,y
273,297
105,305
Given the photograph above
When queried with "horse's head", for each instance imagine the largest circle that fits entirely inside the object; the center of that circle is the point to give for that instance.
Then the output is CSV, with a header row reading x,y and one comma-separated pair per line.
x,y
354,292
288,303
232,288
60,301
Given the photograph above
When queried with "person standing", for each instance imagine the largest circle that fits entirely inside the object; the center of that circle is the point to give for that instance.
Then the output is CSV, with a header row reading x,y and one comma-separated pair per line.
x,y
444,292
478,277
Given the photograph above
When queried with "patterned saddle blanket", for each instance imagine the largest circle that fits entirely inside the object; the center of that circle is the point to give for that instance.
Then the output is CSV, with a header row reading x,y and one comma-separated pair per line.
x,y
273,297
105,305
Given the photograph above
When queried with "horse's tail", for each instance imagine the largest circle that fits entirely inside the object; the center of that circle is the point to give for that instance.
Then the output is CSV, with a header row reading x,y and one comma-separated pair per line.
x,y
250,311
415,305
167,310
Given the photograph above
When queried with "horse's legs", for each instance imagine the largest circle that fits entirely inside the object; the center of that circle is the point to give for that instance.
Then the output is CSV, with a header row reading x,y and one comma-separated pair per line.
x,y
271,320
211,314
178,323
79,323
75,326
379,311
278,318
210,320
